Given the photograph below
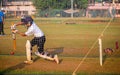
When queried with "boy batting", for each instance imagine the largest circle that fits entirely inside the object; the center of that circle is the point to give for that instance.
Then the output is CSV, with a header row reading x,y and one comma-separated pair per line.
x,y
39,40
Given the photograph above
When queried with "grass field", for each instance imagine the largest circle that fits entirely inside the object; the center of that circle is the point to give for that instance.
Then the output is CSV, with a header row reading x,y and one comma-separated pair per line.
x,y
71,39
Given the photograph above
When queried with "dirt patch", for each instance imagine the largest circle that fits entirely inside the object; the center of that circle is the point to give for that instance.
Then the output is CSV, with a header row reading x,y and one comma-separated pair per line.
x,y
89,65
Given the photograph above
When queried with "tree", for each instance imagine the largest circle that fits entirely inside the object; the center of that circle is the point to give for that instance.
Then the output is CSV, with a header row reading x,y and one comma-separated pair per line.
x,y
59,4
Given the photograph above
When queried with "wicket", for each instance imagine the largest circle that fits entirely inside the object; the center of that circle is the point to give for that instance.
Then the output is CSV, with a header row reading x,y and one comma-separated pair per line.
x,y
100,50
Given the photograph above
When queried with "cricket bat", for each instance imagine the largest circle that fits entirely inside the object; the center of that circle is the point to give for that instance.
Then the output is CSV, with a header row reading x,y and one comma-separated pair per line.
x,y
14,39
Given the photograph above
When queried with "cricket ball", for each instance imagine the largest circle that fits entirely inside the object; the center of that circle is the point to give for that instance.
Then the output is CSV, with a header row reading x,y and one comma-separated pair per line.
x,y
12,53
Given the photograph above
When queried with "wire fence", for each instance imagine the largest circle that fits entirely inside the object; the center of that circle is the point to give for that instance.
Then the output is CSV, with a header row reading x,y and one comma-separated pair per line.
x,y
48,13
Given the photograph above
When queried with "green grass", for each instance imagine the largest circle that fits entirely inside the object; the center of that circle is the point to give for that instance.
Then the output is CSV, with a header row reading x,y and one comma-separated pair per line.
x,y
74,40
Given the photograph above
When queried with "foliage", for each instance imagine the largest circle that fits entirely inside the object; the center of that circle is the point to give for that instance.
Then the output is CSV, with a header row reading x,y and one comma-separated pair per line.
x,y
59,4
0,1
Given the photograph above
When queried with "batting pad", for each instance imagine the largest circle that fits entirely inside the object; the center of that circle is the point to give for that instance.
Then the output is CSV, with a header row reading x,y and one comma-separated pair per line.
x,y
44,56
28,51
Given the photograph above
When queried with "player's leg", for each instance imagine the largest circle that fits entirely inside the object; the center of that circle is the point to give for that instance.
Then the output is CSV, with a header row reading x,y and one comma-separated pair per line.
x,y
40,44
33,42
48,56
0,28
28,53
41,53
29,45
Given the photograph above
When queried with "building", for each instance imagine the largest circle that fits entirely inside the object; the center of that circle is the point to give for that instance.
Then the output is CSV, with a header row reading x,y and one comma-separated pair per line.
x,y
18,7
96,8
103,8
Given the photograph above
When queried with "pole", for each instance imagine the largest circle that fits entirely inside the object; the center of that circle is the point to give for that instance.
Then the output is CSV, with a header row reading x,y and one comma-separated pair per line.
x,y
1,3
113,2
100,50
72,8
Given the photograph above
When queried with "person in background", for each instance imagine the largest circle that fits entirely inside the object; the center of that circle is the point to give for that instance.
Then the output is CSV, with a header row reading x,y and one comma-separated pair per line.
x,y
2,22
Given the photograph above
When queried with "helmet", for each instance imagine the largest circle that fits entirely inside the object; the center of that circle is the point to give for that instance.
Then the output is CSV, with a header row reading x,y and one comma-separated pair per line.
x,y
108,51
27,19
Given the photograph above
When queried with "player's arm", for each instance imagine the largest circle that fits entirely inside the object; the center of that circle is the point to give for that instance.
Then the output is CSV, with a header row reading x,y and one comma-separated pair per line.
x,y
16,31
27,33
19,23
22,34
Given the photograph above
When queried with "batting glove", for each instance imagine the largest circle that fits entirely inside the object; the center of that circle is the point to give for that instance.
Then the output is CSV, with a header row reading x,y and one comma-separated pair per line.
x,y
13,27
14,31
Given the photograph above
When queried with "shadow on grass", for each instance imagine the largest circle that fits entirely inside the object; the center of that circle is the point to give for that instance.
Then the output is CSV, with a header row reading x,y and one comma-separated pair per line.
x,y
57,51
12,68
36,59
104,58
54,51
16,67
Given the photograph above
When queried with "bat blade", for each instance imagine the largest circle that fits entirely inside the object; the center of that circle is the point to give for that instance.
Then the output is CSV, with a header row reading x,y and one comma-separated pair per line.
x,y
14,44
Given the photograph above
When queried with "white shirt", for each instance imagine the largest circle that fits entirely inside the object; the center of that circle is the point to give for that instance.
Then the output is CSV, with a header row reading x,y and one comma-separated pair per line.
x,y
34,30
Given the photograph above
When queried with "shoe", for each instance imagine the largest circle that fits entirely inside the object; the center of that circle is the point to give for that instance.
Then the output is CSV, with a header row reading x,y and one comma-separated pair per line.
x,y
28,62
56,59
2,34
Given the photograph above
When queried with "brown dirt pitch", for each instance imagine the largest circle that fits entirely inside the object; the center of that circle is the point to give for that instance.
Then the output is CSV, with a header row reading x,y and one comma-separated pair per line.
x,y
10,64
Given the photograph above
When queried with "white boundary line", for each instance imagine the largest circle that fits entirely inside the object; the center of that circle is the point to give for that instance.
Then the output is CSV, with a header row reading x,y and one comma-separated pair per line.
x,y
74,72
